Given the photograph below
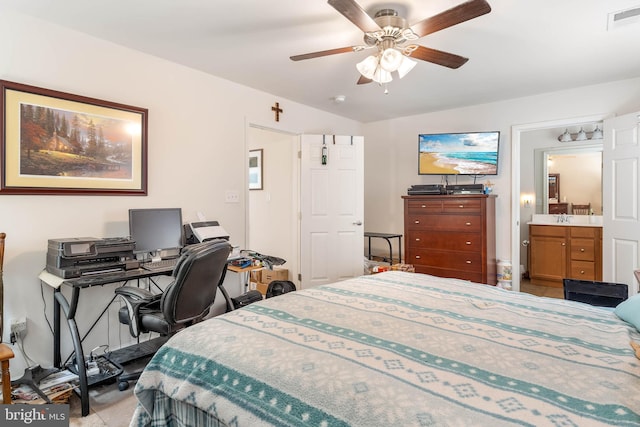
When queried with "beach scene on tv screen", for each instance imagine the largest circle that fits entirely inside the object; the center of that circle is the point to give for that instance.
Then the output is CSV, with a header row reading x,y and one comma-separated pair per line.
x,y
459,153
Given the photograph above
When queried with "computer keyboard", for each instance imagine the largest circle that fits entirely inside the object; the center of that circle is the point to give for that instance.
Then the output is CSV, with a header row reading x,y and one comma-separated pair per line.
x,y
164,264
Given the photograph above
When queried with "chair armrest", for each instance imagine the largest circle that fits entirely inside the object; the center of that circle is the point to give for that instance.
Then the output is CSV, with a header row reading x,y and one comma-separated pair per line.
x,y
135,299
137,294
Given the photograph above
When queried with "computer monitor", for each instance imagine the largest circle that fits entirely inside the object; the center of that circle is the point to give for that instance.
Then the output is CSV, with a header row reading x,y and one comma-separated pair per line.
x,y
157,232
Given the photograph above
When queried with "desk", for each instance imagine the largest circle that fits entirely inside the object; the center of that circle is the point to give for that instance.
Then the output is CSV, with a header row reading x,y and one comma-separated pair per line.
x,y
387,237
69,308
244,271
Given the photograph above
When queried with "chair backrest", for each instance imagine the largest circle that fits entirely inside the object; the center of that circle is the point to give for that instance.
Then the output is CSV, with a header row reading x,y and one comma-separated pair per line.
x,y
581,209
196,277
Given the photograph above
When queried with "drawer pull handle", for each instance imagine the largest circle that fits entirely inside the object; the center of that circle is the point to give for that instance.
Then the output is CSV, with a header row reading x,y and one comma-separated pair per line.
x,y
467,243
468,224
468,262
581,249
563,244
423,206
581,271
417,256
417,239
416,221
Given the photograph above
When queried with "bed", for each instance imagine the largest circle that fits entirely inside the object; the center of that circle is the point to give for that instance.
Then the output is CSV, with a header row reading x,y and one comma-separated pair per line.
x,y
397,349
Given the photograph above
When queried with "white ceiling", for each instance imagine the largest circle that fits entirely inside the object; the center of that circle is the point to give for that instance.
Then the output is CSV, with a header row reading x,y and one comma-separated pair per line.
x,y
518,49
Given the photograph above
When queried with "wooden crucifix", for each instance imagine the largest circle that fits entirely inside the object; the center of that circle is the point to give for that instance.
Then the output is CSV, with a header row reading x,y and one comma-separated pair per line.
x,y
276,109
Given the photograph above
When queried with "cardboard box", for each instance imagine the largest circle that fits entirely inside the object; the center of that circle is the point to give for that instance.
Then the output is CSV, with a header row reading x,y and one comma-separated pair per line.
x,y
255,275
262,287
268,276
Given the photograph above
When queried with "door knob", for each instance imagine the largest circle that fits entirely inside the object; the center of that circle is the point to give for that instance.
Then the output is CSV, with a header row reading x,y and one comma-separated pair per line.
x,y
357,223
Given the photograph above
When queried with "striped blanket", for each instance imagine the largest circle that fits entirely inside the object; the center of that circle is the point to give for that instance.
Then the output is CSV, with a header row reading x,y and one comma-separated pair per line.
x,y
397,349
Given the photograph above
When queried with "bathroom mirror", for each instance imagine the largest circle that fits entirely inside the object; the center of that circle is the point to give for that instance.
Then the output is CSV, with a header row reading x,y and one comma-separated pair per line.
x,y
581,171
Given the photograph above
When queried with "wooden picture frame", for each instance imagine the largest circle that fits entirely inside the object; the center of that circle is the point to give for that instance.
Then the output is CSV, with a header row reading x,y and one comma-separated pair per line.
x,y
255,169
57,143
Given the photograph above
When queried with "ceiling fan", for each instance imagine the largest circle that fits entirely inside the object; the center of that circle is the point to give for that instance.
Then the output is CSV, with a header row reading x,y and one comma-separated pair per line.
x,y
393,39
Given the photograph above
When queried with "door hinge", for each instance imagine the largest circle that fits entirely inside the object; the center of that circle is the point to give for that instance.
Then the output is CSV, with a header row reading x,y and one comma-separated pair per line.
x,y
299,154
299,277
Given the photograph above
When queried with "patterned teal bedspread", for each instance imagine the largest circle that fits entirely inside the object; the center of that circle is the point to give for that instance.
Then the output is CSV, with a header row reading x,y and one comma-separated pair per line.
x,y
397,349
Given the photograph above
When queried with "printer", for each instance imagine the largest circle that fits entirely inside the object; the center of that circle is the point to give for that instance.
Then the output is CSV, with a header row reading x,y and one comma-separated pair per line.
x,y
206,230
80,256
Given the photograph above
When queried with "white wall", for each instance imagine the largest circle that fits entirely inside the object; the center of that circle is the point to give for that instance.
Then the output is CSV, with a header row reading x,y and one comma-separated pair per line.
x,y
391,147
197,151
272,210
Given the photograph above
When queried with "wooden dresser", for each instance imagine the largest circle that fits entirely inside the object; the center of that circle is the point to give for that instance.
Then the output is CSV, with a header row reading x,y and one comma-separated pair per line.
x,y
562,251
558,208
451,236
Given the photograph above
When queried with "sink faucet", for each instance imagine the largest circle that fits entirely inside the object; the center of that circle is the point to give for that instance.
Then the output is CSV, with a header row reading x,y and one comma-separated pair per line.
x,y
563,218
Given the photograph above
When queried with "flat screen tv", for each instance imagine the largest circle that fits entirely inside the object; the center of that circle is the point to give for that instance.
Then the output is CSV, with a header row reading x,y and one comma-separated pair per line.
x,y
471,153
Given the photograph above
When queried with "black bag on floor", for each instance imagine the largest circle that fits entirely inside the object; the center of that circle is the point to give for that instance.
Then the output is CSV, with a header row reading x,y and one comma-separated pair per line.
x,y
246,299
279,287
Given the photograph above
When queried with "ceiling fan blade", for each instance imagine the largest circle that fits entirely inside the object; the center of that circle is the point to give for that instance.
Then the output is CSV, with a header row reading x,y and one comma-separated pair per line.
x,y
356,14
324,53
457,14
363,80
438,57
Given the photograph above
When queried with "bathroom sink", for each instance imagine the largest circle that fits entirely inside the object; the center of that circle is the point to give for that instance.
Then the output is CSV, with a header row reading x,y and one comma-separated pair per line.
x,y
577,220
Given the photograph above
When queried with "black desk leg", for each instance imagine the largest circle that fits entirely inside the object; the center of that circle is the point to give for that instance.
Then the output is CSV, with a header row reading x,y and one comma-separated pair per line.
x,y
390,250
77,348
57,362
82,371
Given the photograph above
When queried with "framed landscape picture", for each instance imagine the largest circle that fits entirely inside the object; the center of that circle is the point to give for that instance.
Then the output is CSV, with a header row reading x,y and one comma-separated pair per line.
x,y
58,143
255,169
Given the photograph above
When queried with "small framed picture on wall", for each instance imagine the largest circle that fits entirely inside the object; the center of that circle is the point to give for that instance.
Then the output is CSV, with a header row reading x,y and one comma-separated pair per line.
x,y
255,169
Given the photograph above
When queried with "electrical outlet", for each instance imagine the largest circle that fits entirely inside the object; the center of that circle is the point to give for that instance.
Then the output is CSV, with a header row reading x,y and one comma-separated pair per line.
x,y
18,326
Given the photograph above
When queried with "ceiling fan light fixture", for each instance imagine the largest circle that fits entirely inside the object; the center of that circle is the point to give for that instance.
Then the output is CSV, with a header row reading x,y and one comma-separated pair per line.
x,y
382,76
405,66
368,66
391,59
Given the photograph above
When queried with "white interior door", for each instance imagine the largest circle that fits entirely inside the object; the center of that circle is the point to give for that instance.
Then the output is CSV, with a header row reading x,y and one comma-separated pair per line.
x,y
332,208
621,204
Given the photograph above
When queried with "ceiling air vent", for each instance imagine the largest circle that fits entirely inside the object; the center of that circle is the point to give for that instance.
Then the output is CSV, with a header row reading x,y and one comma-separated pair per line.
x,y
623,17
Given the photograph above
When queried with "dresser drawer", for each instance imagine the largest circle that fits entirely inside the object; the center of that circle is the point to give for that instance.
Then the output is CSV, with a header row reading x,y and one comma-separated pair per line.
x,y
583,249
444,222
472,276
584,270
424,206
447,240
462,206
465,261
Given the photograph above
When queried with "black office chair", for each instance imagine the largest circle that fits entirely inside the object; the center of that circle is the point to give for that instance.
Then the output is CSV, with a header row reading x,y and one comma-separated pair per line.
x,y
186,300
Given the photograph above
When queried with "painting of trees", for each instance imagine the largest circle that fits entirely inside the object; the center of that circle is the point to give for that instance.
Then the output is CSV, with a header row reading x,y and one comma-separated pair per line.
x,y
58,142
